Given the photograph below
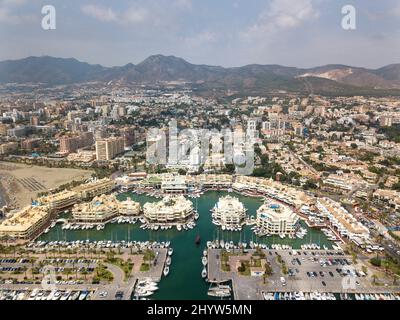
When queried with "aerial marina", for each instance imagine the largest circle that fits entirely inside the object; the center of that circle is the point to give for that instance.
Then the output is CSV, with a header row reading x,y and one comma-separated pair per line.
x,y
215,245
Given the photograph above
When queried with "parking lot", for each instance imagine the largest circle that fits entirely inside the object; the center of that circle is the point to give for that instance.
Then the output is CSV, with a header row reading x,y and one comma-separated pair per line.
x,y
307,271
322,271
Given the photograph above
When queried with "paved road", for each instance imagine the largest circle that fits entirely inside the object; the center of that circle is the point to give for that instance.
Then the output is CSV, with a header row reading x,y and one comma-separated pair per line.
x,y
311,168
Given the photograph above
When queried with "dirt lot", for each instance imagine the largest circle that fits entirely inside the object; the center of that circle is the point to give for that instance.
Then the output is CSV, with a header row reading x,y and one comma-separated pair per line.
x,y
23,182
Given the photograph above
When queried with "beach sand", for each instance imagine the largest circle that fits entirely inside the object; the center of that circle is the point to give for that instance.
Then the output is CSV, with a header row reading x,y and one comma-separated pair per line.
x,y
21,183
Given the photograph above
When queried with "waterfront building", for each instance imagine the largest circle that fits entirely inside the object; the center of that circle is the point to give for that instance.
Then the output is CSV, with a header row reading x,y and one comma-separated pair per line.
x,y
229,211
60,200
95,188
173,184
215,180
342,221
104,208
276,218
129,208
130,181
108,149
169,210
152,181
26,223
101,209
272,189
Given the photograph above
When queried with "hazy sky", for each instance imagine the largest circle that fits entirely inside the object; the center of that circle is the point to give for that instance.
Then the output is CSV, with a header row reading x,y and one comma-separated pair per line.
x,y
301,33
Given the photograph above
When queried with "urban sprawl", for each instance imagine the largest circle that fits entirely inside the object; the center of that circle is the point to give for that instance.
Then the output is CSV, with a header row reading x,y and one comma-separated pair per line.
x,y
74,160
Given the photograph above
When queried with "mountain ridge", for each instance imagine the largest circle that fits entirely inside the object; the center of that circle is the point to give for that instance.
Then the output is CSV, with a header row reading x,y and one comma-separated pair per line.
x,y
160,68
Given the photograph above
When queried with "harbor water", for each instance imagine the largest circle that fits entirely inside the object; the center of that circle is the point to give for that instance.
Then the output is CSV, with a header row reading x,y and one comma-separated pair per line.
x,y
184,282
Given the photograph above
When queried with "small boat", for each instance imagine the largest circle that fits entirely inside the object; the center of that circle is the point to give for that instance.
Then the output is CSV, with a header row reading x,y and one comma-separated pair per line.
x,y
168,261
197,240
74,296
143,293
219,293
204,272
66,295
204,261
83,295
170,251
166,271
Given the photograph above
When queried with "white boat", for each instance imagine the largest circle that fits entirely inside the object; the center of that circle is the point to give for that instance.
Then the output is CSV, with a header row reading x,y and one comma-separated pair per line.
x,y
83,295
168,261
166,271
204,261
204,273
143,293
66,295
170,251
179,227
219,293
57,295
33,294
74,296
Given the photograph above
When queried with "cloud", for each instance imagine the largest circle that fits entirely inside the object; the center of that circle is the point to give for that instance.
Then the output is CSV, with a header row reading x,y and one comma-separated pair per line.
x,y
135,15
99,12
281,15
9,15
153,12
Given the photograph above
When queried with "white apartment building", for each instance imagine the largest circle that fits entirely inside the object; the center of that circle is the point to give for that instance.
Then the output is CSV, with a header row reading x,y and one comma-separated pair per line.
x,y
276,218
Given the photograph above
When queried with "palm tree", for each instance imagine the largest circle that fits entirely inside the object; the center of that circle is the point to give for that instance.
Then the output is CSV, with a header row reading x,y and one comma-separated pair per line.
x,y
385,264
374,278
395,276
